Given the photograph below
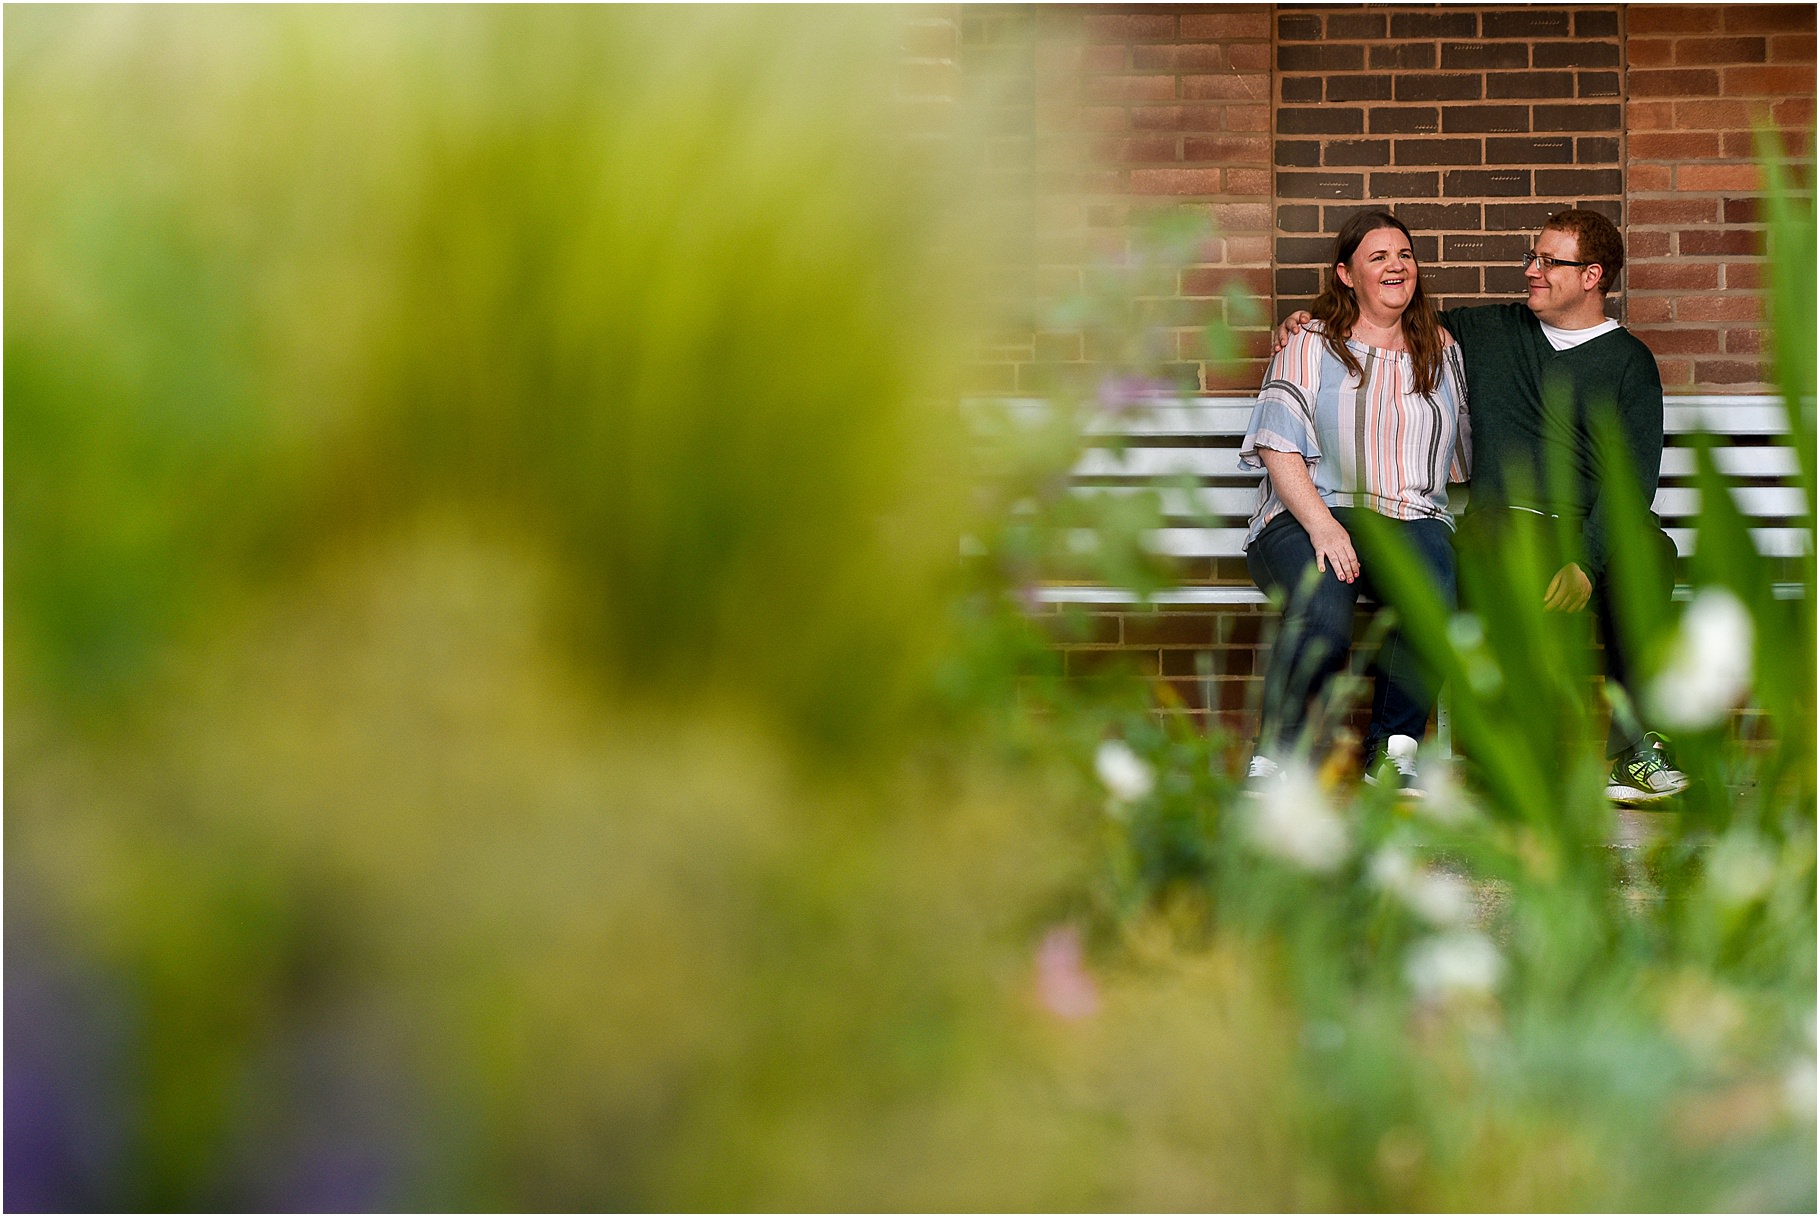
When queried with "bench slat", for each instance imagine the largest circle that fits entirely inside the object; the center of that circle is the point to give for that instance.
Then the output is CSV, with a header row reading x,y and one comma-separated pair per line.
x,y
1734,462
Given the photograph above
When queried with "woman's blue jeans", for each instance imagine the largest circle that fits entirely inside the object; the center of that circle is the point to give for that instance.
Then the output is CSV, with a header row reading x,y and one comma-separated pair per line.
x,y
1315,640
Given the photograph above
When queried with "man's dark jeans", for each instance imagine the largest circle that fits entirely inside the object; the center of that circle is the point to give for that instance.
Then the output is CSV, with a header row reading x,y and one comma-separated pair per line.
x,y
1487,535
1316,635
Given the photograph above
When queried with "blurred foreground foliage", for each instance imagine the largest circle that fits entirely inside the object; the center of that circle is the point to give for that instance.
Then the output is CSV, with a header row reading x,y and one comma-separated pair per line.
x,y
495,720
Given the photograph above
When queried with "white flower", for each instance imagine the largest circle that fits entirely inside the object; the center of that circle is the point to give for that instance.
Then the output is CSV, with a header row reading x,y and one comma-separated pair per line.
x,y
1123,772
1709,665
1293,821
1460,963
1798,1089
1446,803
1740,868
1441,900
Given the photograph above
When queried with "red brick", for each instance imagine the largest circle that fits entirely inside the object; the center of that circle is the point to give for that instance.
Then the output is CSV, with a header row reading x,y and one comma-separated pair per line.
x,y
1129,88
1778,81
1674,82
1711,52
1706,114
1792,48
1644,245
1738,145
1169,629
1721,241
1649,179
1198,57
1727,372
1717,177
1129,27
1249,56
1242,217
1175,181
1746,341
1793,112
1701,341
1254,279
1111,662
1728,307
1673,211
1649,52
1676,373
1242,149
1246,118
1673,276
1241,375
1650,116
1649,310
1671,19
1746,210
1225,87
1248,181
1767,18
1227,25
1248,251
1673,145
1174,118
1102,118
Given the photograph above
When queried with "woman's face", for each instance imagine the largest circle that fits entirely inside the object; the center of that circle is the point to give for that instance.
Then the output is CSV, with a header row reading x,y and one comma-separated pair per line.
x,y
1381,272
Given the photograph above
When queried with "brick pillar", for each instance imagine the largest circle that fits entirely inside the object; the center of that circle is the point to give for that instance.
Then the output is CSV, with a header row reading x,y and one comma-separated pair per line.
x,y
1702,77
929,67
1113,114
1471,125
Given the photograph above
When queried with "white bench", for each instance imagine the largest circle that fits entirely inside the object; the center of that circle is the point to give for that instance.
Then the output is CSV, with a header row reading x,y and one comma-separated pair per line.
x,y
1187,449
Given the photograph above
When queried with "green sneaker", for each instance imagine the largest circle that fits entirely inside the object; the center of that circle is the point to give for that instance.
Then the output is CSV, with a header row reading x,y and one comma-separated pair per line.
x,y
1645,776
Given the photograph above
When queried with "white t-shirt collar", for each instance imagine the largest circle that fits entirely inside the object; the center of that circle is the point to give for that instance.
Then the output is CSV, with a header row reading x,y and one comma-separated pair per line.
x,y
1561,339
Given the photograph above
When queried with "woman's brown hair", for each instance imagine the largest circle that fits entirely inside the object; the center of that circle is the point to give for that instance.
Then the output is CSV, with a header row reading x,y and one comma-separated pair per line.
x,y
1337,308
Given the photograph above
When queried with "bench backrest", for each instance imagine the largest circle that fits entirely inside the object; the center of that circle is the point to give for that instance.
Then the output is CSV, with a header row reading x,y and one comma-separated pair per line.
x,y
1189,449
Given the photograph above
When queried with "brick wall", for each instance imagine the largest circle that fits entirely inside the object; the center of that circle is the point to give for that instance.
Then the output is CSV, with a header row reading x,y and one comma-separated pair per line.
x,y
1472,124
1701,77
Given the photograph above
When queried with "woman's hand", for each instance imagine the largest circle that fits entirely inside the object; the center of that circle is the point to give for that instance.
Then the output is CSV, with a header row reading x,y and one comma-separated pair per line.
x,y
1333,549
1291,326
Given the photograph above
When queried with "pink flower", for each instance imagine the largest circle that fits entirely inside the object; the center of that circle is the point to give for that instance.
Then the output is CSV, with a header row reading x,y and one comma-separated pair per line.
x,y
1063,984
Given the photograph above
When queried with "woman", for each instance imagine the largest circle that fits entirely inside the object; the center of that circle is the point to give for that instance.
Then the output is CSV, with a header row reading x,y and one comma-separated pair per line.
x,y
1363,411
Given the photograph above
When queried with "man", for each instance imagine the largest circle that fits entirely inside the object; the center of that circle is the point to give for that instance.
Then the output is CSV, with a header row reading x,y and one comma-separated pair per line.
x,y
1548,380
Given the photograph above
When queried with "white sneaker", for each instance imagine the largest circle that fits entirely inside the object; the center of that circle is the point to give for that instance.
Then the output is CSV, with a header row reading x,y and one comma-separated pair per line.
x,y
1396,765
1260,773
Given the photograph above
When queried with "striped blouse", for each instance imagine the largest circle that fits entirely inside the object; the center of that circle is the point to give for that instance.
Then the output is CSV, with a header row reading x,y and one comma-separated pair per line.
x,y
1370,441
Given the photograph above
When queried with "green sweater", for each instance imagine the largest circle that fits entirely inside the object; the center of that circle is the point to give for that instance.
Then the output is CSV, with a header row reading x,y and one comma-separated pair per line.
x,y
1533,410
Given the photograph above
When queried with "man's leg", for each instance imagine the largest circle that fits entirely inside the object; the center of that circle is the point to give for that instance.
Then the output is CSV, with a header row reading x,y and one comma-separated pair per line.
x,y
1316,632
1622,647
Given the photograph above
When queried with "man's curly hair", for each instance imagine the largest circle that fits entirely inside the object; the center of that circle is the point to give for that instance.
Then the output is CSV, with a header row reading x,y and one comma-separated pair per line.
x,y
1599,241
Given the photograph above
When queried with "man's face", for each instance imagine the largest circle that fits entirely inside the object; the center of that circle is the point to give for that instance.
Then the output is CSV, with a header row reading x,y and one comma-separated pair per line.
x,y
1562,295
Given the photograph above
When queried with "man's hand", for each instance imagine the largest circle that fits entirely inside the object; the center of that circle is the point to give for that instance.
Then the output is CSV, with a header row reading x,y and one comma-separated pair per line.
x,y
1568,591
1292,324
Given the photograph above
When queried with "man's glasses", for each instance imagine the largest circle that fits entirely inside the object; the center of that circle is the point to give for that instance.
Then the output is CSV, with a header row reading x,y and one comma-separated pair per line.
x,y
1549,263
